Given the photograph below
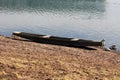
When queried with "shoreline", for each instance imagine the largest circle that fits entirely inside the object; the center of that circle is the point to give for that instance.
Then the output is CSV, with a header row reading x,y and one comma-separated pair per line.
x,y
21,60
104,49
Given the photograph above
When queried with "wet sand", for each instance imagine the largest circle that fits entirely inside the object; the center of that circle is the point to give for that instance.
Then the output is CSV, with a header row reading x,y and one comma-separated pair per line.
x,y
22,60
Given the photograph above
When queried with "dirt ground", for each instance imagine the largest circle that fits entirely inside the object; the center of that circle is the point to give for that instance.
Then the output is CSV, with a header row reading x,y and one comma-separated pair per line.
x,y
21,60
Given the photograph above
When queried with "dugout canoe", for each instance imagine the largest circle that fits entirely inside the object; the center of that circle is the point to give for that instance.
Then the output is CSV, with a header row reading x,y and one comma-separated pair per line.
x,y
57,40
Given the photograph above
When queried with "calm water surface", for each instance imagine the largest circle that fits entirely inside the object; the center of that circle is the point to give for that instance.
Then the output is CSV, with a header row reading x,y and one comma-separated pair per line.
x,y
87,19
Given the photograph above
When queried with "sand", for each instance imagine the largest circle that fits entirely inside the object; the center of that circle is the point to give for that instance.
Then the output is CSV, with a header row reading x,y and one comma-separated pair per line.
x,y
23,60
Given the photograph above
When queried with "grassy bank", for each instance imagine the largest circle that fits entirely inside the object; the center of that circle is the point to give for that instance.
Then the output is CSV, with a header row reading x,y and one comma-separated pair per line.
x,y
20,60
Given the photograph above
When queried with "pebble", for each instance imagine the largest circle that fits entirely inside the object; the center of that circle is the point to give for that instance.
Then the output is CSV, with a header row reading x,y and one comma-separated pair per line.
x,y
113,47
107,49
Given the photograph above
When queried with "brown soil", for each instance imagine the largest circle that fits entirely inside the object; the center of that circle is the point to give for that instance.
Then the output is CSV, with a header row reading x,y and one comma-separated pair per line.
x,y
20,60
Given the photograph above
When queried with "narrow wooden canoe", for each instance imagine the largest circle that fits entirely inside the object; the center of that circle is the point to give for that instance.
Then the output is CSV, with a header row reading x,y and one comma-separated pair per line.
x,y
57,40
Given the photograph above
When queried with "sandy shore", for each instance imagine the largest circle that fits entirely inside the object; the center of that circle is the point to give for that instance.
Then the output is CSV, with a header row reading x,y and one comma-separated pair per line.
x,y
20,60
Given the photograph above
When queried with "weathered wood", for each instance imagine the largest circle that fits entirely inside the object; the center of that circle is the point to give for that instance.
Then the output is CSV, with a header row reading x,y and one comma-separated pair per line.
x,y
57,40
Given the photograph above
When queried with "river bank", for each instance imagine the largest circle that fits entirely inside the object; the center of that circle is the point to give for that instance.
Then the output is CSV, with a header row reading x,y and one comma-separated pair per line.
x,y
21,60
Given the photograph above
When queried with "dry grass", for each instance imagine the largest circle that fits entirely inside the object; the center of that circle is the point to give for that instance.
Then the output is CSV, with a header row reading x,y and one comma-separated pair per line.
x,y
20,60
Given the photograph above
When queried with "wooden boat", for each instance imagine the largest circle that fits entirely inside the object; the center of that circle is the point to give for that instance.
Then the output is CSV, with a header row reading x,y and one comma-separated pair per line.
x,y
57,40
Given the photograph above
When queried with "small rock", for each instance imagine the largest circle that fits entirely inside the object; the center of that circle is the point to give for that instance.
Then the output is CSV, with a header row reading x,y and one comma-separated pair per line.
x,y
113,47
107,49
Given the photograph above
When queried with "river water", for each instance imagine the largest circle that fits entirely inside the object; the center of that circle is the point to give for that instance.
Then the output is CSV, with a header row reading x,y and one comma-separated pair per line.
x,y
86,19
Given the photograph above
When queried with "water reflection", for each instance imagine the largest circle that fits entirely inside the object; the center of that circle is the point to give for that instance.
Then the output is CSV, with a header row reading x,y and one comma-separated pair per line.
x,y
64,17
53,5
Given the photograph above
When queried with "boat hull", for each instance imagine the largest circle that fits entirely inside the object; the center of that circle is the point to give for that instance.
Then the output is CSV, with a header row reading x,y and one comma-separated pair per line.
x,y
57,40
